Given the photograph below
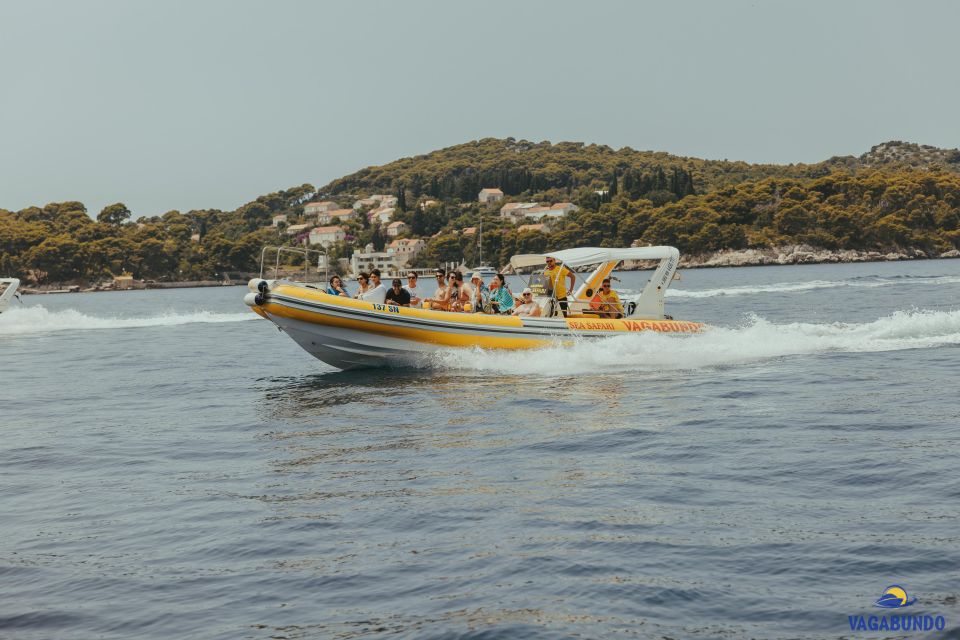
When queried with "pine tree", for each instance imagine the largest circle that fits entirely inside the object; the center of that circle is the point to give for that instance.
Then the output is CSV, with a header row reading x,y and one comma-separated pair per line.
x,y
401,198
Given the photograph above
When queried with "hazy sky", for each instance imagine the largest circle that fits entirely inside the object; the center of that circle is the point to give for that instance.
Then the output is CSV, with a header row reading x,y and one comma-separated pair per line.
x,y
196,104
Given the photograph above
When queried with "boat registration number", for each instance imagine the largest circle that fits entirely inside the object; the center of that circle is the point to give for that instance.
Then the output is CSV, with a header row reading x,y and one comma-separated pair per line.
x,y
389,308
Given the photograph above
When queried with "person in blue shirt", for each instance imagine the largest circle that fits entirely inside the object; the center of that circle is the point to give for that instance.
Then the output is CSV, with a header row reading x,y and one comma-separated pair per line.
x,y
500,297
336,287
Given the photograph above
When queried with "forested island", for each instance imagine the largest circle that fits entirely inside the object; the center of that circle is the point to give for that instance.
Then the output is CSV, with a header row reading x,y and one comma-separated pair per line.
x,y
898,198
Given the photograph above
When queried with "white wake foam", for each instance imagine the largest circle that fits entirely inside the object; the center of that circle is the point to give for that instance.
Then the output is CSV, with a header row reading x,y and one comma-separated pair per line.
x,y
756,340
792,287
38,319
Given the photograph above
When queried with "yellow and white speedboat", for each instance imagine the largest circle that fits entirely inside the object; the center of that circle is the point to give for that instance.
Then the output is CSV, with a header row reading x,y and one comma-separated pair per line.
x,y
349,333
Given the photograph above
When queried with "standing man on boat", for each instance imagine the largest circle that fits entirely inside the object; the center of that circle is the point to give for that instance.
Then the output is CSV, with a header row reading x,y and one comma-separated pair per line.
x,y
558,275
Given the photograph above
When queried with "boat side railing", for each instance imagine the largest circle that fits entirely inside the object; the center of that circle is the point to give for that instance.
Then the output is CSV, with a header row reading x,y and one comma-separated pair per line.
x,y
299,251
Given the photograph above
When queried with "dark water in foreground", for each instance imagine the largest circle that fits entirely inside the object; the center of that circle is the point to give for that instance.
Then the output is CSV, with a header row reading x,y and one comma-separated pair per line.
x,y
172,468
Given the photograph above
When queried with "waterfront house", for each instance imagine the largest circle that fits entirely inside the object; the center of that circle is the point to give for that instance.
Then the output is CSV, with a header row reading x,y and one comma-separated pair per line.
x,y
279,218
368,259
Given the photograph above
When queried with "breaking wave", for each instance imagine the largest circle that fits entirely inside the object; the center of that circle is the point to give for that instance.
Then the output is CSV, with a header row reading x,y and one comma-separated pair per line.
x,y
38,319
793,287
756,340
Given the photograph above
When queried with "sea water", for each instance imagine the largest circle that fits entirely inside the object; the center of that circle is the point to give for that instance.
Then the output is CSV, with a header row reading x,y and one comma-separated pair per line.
x,y
173,466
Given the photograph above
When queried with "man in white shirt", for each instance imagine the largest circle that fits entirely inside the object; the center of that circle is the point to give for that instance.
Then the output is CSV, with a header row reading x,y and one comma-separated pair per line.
x,y
416,296
379,292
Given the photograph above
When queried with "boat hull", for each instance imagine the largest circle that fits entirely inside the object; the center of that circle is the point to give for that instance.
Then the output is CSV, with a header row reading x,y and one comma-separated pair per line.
x,y
350,334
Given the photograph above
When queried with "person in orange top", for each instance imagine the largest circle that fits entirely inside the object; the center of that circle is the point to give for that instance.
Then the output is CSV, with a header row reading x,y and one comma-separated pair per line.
x,y
607,301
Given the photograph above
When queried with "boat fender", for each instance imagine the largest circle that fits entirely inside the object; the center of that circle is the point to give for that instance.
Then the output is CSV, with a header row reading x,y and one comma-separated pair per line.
x,y
262,286
260,299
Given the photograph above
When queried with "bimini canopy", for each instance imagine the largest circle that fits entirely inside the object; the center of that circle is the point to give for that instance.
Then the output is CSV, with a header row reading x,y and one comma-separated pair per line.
x,y
582,256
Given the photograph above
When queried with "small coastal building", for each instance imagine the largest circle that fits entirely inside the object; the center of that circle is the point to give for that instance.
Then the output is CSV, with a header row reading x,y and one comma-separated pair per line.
x,y
279,218
367,260
514,211
337,216
385,201
426,204
381,214
195,237
123,281
469,231
326,236
397,228
490,195
403,249
316,208
531,227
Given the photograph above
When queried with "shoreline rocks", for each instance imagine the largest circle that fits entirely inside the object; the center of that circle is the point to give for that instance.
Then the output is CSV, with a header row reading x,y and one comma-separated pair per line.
x,y
801,254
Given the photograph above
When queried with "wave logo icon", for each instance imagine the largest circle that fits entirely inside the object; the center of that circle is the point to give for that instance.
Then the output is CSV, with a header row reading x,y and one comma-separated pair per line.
x,y
894,597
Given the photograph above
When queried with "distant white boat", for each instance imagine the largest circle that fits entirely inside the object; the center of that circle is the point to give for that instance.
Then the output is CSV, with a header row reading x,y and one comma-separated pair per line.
x,y
8,291
485,271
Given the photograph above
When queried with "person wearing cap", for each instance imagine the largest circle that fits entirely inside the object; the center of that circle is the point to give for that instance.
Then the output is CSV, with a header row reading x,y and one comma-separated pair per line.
x,y
416,295
480,295
397,295
527,307
558,274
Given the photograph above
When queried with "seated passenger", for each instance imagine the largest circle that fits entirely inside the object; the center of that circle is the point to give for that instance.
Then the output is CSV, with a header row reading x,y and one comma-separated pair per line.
x,y
464,297
608,301
363,280
501,300
397,295
527,307
480,299
440,299
417,295
377,292
336,287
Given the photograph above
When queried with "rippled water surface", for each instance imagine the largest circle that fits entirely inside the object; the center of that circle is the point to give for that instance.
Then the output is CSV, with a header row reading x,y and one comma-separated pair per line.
x,y
173,466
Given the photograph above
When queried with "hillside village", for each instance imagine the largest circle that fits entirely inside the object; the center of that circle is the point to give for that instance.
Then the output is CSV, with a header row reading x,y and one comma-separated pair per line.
x,y
326,225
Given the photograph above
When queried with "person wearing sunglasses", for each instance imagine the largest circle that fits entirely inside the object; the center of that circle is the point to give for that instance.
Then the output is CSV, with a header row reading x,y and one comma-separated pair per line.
x,y
363,280
527,307
441,300
609,305
417,295
558,275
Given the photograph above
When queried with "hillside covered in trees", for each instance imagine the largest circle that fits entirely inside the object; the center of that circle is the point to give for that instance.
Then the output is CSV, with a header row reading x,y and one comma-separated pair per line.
x,y
896,196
